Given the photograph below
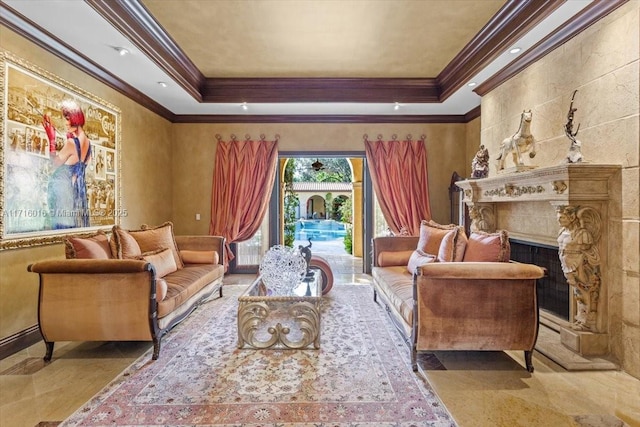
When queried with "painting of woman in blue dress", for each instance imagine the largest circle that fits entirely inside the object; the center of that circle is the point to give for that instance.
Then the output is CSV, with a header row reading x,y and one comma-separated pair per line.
x,y
67,190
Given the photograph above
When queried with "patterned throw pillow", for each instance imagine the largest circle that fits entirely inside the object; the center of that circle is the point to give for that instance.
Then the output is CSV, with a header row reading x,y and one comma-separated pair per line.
x,y
488,247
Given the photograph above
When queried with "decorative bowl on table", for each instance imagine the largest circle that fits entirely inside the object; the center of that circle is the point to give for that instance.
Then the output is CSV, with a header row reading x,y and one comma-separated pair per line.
x,y
282,268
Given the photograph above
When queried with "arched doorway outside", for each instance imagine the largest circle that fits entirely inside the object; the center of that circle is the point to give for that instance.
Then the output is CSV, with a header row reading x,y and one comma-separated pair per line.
x,y
272,230
316,207
335,176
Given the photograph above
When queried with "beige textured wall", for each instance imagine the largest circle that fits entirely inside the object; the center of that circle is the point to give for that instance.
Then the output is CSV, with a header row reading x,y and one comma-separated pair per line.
x,y
194,147
145,182
603,64
473,143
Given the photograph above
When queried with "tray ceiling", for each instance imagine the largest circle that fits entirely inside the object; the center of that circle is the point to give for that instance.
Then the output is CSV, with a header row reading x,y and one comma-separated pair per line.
x,y
346,58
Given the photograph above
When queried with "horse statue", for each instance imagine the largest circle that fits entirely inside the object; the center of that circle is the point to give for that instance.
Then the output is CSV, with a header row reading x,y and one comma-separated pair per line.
x,y
521,142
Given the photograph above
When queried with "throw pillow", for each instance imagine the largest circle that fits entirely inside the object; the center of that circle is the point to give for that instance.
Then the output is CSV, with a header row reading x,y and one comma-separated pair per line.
x,y
390,258
154,238
418,259
431,234
95,246
162,260
488,247
447,248
200,257
123,245
161,289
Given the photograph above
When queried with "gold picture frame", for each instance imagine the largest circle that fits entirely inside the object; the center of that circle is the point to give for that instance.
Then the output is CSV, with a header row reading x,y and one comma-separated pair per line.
x,y
48,123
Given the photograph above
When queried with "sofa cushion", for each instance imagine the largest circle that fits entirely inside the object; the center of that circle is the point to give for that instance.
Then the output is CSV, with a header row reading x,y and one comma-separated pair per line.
x,y
153,238
419,258
397,286
162,261
186,282
200,257
95,246
389,258
488,247
123,245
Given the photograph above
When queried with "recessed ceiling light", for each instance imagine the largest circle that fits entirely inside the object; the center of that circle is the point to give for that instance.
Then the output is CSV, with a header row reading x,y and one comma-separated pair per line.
x,y
122,51
471,84
244,106
163,84
396,106
515,50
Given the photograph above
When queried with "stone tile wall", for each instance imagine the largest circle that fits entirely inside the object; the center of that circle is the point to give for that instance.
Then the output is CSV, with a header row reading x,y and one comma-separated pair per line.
x,y
602,63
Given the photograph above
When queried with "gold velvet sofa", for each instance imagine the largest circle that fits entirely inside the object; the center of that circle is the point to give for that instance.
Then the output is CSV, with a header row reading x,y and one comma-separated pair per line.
x,y
125,299
456,305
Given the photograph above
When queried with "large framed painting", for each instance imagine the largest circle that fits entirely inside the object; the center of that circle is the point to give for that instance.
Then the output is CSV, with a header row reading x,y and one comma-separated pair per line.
x,y
60,158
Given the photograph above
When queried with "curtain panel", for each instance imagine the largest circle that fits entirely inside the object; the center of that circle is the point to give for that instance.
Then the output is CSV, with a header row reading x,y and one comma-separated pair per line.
x,y
399,175
243,179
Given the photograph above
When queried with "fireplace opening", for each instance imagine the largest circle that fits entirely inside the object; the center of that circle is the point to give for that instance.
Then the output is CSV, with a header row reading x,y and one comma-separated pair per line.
x,y
552,290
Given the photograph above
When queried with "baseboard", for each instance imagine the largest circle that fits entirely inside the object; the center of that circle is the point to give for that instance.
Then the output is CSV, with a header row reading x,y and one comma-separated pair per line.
x,y
19,341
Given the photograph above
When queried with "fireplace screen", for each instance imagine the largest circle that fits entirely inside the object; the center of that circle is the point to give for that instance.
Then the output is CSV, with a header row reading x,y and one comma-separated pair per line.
x,y
553,291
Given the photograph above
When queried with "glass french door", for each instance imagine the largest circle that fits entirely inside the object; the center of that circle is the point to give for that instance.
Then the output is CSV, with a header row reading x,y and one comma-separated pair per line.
x,y
249,253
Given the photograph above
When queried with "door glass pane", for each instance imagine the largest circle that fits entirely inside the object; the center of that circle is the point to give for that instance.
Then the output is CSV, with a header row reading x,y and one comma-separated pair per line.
x,y
249,252
381,228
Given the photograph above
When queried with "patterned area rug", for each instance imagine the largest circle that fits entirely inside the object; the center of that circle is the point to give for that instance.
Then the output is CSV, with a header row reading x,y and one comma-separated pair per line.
x,y
361,376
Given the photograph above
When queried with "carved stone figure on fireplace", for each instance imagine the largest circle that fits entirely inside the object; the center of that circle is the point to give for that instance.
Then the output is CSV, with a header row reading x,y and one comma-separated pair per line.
x,y
580,259
482,218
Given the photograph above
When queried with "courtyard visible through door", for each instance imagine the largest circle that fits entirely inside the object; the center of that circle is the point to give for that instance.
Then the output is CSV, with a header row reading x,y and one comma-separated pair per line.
x,y
321,199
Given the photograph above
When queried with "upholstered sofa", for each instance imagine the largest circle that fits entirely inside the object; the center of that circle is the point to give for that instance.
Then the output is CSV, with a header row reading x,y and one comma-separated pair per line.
x,y
453,303
109,291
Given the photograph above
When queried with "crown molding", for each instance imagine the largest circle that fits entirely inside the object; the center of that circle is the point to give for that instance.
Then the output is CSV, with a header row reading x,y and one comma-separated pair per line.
x,y
131,18
45,40
588,16
514,20
386,90
510,23
135,22
309,118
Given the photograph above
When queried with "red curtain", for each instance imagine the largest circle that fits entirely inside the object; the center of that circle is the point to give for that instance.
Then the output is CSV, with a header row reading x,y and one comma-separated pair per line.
x,y
399,175
243,178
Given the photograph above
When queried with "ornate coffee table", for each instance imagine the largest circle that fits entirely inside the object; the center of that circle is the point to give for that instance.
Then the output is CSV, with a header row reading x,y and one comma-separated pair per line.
x,y
288,320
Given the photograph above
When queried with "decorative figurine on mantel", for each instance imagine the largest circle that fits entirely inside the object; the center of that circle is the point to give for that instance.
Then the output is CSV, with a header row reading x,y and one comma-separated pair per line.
x,y
574,155
480,164
521,142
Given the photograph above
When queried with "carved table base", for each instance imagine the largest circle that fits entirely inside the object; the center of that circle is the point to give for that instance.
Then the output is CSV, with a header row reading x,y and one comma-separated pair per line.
x,y
290,321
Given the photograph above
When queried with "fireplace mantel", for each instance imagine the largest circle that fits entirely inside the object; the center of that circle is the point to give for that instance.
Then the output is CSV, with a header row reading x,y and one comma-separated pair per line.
x,y
591,192
566,183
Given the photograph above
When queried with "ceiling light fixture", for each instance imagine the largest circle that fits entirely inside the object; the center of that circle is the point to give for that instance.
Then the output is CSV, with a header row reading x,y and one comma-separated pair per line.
x,y
122,51
515,50
244,106
396,106
471,84
163,84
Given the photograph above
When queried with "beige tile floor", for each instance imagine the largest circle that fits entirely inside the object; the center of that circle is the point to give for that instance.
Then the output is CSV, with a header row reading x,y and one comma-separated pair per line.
x,y
480,389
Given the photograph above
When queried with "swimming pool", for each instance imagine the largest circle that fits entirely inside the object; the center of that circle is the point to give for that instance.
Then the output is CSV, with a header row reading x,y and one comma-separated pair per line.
x,y
319,229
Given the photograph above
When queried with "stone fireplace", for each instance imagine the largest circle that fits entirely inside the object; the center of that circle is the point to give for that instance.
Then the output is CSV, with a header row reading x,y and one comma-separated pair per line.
x,y
532,205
